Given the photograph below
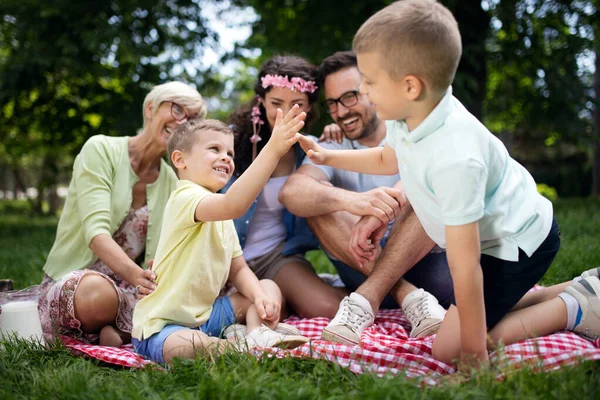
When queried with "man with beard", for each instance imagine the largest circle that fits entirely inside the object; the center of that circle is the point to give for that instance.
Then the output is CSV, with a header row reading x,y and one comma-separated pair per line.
x,y
338,205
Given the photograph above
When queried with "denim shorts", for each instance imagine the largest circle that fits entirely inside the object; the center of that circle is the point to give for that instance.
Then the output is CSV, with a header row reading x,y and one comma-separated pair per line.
x,y
222,315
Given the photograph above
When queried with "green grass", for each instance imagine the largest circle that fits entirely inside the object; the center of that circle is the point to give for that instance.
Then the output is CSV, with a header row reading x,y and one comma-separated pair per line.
x,y
28,371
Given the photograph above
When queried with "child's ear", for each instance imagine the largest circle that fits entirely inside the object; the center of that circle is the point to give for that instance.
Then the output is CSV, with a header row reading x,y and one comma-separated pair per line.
x,y
413,87
177,159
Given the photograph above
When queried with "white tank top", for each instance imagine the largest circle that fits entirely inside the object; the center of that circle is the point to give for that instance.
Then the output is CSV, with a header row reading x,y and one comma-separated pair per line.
x,y
266,229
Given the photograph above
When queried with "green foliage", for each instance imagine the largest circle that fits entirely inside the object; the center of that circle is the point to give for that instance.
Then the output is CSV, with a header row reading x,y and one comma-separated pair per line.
x,y
547,191
69,70
28,371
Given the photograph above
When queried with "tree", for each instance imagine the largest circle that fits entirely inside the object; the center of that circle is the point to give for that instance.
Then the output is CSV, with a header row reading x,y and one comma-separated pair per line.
x,y
316,29
69,70
538,95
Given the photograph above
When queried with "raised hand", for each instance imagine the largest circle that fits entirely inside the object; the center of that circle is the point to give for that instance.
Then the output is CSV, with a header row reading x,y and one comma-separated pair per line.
x,y
332,132
313,151
284,132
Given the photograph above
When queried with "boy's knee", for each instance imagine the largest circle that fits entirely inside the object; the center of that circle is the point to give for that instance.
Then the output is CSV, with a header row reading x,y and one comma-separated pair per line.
x,y
270,287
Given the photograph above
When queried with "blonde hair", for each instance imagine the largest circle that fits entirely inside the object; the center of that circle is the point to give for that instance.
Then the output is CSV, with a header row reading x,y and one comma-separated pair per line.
x,y
177,92
414,37
185,135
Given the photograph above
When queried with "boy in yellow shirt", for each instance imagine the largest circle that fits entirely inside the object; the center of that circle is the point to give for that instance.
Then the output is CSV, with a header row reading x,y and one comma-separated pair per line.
x,y
198,250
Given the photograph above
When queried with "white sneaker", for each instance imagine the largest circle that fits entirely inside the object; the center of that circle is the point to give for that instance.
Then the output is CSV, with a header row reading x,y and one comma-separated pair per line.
x,y
239,330
424,313
587,293
265,337
354,315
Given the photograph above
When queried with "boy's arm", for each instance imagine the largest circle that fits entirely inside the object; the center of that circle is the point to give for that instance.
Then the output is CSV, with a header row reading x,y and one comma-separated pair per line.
x,y
463,252
374,161
244,280
239,197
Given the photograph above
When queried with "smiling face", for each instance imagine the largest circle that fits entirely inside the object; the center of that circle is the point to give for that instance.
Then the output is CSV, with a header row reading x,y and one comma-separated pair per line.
x,y
358,121
390,97
284,99
209,162
163,121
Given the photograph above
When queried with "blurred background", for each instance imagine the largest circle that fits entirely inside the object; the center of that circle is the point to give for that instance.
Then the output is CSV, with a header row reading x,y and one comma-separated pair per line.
x,y
73,69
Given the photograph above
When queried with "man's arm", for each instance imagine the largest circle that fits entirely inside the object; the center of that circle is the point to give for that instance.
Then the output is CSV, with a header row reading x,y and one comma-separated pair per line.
x,y
308,193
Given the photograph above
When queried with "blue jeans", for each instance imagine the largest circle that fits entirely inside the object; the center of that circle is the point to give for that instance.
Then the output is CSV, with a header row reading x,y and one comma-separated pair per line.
x,y
431,274
222,315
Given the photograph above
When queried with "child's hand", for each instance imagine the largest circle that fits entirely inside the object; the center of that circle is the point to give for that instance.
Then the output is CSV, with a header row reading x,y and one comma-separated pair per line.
x,y
316,153
268,309
365,239
284,132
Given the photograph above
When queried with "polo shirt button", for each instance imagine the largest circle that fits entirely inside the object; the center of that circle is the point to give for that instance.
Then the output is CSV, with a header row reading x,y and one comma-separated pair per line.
x,y
247,221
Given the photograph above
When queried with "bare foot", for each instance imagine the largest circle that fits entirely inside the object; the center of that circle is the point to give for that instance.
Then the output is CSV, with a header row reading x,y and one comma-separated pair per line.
x,y
110,336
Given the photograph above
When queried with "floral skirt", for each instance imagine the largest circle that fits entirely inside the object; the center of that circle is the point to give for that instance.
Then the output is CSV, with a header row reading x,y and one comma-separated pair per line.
x,y
57,311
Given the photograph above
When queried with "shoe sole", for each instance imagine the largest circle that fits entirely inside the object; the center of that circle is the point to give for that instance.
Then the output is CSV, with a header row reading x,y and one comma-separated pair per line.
x,y
430,330
239,330
291,342
336,338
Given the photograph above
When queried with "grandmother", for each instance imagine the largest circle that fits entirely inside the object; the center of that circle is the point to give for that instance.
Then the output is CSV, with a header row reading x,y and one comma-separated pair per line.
x,y
97,268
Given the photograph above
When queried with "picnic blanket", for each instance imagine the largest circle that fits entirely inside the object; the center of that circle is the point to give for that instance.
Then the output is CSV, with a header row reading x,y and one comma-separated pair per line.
x,y
386,349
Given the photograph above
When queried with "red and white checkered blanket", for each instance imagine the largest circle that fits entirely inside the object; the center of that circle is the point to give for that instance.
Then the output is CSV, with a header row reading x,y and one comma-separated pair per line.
x,y
386,349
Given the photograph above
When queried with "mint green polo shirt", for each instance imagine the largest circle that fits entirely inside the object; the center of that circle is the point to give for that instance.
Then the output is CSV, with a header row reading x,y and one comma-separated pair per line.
x,y
99,198
455,172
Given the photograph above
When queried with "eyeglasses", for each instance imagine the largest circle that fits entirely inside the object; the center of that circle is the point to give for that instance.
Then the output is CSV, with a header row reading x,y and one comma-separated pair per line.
x,y
348,100
177,112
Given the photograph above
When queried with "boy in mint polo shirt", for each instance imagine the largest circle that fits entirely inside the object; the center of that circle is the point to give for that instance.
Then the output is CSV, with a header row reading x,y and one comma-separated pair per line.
x,y
471,197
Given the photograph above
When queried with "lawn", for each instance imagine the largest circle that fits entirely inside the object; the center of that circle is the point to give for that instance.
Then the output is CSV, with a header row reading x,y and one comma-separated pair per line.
x,y
29,371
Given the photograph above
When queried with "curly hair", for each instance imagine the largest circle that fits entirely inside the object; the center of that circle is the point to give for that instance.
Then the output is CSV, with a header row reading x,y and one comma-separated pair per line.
x,y
241,119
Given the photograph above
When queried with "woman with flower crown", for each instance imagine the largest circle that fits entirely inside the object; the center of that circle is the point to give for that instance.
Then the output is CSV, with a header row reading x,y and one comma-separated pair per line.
x,y
274,241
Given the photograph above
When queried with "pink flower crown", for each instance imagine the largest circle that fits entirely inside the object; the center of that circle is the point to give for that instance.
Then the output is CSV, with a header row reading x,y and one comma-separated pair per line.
x,y
296,84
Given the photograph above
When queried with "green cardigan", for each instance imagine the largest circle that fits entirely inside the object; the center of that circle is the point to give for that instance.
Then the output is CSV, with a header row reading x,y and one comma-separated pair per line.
x,y
99,199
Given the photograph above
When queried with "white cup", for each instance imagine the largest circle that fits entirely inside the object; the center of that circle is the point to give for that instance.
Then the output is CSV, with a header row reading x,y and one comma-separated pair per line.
x,y
21,318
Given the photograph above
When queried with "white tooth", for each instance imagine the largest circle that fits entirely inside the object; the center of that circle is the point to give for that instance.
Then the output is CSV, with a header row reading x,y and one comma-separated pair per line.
x,y
350,121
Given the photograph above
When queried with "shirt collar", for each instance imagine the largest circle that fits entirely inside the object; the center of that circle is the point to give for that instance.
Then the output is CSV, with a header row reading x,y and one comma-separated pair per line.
x,y
434,120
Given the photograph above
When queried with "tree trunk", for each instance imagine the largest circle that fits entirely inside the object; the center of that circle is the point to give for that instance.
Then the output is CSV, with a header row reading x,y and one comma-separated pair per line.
x,y
596,123
474,23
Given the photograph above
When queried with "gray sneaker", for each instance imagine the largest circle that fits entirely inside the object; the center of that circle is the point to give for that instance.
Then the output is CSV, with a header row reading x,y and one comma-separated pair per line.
x,y
591,272
354,315
587,293
424,312
239,330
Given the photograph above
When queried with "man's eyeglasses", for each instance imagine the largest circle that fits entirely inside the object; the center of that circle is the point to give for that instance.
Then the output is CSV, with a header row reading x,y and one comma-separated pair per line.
x,y
348,100
177,112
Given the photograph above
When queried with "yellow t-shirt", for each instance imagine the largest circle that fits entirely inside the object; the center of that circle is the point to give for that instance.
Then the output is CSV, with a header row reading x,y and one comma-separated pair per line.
x,y
192,265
